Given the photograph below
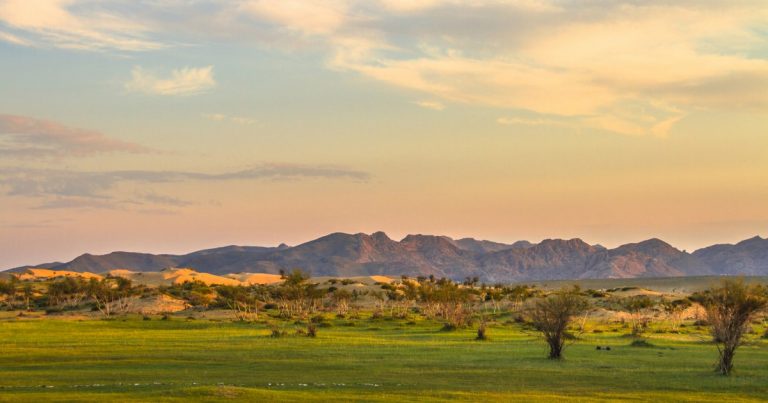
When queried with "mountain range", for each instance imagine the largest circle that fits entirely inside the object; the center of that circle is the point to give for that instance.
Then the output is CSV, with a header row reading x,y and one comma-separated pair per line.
x,y
345,255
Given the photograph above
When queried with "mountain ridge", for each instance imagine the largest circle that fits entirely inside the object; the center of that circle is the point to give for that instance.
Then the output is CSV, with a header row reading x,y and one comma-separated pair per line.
x,y
341,254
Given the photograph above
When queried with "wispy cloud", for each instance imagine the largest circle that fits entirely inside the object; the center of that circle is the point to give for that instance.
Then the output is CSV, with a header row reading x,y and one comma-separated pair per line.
x,y
67,24
434,105
585,62
158,199
24,136
10,38
36,224
220,117
185,81
65,188
308,17
582,61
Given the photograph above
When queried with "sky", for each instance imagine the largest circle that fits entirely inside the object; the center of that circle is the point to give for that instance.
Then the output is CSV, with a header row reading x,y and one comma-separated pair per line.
x,y
171,126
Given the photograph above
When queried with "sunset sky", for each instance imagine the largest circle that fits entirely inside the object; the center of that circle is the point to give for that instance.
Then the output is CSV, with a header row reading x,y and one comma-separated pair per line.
x,y
170,126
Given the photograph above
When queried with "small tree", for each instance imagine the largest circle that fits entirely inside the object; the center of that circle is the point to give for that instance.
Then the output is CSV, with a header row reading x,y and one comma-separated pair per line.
x,y
730,307
112,294
551,316
297,296
675,309
66,292
341,300
637,307
240,300
8,289
27,291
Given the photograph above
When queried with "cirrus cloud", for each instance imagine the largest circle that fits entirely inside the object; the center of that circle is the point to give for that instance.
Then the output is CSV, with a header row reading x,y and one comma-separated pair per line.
x,y
184,81
67,24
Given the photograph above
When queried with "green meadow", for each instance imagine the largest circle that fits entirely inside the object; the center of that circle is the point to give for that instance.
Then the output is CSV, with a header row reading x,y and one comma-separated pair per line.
x,y
131,359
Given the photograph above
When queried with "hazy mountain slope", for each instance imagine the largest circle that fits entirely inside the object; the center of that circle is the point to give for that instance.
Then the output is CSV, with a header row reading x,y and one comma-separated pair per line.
x,y
229,259
119,260
550,259
748,257
478,246
651,258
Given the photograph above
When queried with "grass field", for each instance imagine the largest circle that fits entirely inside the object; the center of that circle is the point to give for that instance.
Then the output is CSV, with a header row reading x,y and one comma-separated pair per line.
x,y
374,360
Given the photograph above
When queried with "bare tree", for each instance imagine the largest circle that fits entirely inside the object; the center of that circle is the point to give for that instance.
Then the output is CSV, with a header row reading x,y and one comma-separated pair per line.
x,y
552,315
730,307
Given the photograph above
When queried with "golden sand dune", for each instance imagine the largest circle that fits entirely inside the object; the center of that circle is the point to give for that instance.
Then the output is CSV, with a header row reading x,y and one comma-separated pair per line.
x,y
173,276
187,275
45,274
382,279
255,278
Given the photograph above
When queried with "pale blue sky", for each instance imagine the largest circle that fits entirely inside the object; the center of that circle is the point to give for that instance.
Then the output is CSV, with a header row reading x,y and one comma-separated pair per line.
x,y
167,126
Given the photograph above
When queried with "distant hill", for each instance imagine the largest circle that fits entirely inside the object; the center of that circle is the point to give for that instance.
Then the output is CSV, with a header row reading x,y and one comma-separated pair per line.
x,y
347,255
748,257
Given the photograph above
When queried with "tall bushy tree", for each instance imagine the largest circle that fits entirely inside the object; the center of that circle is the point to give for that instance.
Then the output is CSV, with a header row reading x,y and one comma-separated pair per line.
x,y
730,307
552,314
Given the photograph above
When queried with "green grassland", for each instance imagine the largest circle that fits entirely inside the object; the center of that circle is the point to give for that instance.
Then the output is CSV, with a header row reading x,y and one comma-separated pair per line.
x,y
205,359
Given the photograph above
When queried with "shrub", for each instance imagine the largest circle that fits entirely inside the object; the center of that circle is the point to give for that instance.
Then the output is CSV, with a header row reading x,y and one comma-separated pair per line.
x,y
276,333
481,333
448,327
318,319
641,343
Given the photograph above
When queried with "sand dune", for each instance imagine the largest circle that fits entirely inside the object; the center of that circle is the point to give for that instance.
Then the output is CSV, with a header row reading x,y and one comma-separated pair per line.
x,y
44,274
173,276
255,278
169,277
382,279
